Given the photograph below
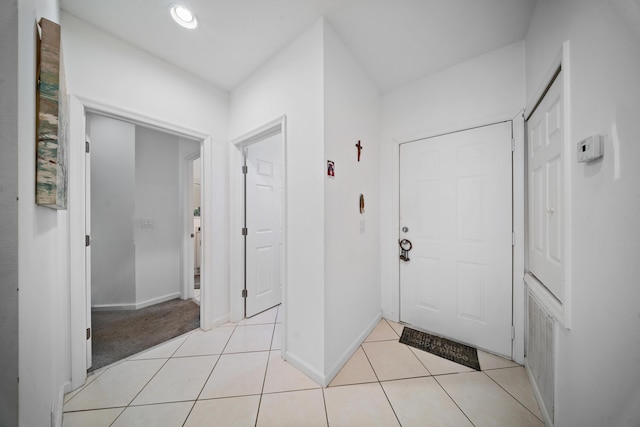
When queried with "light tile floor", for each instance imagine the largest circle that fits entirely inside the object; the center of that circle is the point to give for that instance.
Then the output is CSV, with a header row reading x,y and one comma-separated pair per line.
x,y
233,375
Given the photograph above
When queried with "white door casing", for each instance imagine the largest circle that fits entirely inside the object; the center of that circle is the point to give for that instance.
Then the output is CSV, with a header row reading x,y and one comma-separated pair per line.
x,y
264,222
456,202
545,130
80,299
87,178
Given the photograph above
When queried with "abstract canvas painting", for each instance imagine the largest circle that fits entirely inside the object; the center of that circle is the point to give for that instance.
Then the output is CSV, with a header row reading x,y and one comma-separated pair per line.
x,y
52,119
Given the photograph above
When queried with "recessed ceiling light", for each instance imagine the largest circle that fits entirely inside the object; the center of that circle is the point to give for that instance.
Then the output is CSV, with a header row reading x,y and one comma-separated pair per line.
x,y
183,16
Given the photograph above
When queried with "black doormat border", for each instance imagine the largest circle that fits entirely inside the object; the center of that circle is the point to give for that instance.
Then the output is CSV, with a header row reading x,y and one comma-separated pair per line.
x,y
450,350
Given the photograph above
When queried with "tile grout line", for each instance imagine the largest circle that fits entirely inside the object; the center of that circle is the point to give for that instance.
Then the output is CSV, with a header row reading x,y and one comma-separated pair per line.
x,y
515,398
390,404
266,369
166,361
452,399
210,373
391,327
370,364
100,371
379,385
118,363
324,403
419,361
142,388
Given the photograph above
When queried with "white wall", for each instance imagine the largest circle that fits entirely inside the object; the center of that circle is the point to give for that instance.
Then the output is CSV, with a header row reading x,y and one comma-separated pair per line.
x,y
113,174
351,255
598,375
43,251
157,196
484,90
106,69
291,84
9,213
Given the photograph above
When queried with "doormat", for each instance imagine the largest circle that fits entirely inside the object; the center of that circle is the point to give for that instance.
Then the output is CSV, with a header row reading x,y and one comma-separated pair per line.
x,y
447,349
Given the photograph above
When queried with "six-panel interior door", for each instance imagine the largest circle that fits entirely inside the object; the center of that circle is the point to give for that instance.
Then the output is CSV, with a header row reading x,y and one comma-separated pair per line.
x,y
546,136
456,205
265,247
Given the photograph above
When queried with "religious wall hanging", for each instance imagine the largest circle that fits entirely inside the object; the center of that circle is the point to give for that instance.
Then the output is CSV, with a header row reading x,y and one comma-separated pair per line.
x,y
359,147
51,120
331,168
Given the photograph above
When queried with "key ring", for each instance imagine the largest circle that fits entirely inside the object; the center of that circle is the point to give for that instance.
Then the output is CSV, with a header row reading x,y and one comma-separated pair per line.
x,y
403,243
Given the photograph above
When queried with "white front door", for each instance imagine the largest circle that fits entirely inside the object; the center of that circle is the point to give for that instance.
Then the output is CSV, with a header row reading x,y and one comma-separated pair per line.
x,y
263,204
456,208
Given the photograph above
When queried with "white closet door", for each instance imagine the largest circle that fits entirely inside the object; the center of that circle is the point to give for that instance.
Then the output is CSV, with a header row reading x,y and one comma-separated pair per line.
x,y
265,246
545,192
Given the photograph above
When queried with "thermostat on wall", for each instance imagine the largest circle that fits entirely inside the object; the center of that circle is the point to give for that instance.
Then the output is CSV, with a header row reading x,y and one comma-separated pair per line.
x,y
590,148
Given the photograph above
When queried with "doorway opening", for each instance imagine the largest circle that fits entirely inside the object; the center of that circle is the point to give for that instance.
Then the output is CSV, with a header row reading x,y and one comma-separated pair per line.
x,y
136,221
81,333
259,250
196,234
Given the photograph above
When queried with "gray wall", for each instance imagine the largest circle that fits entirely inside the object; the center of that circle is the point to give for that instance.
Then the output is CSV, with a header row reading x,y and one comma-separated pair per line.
x,y
112,205
158,196
9,213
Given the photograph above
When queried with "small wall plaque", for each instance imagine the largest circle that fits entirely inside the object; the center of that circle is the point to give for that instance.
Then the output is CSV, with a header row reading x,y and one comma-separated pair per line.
x,y
331,168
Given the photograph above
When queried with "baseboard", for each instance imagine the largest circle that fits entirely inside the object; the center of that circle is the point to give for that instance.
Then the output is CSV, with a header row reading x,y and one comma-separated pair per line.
x,y
216,322
138,305
394,317
58,405
346,355
538,395
305,368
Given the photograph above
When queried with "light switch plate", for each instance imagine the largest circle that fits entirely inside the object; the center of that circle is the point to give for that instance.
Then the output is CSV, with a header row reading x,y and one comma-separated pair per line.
x,y
147,223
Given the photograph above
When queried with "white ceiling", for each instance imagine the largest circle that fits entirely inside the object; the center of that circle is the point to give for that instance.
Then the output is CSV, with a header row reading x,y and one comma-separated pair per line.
x,y
396,41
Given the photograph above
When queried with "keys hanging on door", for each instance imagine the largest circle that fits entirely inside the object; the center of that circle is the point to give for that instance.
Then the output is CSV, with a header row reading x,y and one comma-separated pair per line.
x,y
405,247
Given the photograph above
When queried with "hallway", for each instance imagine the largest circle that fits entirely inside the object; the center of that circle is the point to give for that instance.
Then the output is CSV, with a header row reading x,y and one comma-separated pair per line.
x,y
233,375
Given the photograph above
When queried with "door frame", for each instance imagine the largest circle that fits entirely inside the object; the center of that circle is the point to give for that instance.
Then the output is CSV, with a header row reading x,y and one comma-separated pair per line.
x,y
559,68
237,257
518,212
186,194
78,107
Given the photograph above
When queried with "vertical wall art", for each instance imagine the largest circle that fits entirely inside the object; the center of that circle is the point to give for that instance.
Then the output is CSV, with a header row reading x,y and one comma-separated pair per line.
x,y
359,147
51,120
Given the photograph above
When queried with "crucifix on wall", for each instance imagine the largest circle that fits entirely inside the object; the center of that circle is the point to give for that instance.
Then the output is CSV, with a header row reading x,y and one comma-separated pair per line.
x,y
359,147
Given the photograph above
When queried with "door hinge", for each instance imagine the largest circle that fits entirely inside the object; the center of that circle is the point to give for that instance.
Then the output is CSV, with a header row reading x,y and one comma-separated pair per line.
x,y
244,293
87,146
513,144
245,231
245,169
88,333
513,333
513,239
87,240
